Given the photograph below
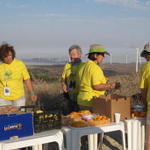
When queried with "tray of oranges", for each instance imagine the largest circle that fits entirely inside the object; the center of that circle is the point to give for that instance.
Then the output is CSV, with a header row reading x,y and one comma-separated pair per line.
x,y
84,118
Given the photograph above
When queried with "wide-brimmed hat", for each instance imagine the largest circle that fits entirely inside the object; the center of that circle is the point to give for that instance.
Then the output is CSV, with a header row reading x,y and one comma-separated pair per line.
x,y
97,48
146,49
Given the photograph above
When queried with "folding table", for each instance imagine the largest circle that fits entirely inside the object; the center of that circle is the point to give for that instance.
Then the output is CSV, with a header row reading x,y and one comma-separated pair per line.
x,y
73,135
35,140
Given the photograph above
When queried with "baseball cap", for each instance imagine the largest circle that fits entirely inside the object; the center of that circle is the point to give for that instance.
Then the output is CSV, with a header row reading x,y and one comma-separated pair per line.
x,y
146,49
97,48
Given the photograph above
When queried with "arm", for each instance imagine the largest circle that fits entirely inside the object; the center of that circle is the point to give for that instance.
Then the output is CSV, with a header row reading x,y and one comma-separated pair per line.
x,y
144,94
98,80
144,83
103,87
64,85
64,76
29,86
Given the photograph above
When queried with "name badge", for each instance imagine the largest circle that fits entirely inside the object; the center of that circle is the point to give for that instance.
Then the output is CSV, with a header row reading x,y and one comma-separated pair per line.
x,y
6,91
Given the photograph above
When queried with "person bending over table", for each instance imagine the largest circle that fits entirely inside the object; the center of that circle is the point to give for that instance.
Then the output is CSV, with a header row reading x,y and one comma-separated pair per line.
x,y
13,76
91,81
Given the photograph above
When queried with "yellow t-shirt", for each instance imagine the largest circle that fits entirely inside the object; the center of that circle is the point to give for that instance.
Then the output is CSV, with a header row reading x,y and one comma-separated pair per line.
x,y
88,75
69,75
145,81
12,76
66,72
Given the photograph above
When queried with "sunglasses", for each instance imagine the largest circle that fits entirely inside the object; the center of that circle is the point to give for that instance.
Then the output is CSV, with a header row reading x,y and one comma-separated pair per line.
x,y
102,54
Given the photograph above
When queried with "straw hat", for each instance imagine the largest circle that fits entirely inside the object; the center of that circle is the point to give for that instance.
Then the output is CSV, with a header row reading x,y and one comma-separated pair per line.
x,y
97,48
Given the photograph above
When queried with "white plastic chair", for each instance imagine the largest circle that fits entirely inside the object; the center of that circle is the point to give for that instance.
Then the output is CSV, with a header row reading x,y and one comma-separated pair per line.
x,y
135,134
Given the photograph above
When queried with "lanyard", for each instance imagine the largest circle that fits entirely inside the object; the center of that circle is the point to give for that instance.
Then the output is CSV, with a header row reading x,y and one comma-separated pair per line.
x,y
6,77
3,83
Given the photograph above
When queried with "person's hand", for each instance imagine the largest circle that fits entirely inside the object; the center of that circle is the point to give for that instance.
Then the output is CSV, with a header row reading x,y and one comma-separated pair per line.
x,y
64,88
117,85
112,85
33,98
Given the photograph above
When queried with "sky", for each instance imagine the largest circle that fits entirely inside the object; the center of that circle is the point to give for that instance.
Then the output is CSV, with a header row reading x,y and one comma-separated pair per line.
x,y
47,28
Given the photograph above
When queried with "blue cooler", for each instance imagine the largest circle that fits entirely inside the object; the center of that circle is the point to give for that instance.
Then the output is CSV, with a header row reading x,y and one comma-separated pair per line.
x,y
19,125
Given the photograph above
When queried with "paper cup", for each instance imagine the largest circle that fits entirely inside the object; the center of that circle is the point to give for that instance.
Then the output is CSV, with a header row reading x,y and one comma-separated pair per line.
x,y
117,117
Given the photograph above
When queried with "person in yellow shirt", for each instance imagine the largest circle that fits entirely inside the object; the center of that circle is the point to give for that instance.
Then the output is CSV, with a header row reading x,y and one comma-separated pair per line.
x,y
145,89
13,76
68,77
91,81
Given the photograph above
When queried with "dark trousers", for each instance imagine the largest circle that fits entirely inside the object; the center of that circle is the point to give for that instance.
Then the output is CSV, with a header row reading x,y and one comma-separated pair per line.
x,y
71,102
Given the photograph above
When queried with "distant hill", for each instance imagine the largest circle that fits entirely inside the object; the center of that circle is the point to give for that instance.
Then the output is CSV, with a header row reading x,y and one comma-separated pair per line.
x,y
45,61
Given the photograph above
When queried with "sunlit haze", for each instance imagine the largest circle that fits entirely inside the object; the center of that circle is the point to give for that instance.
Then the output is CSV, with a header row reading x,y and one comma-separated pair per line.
x,y
46,28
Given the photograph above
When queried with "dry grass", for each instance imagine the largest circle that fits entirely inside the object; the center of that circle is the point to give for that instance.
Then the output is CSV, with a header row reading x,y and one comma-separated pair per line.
x,y
123,73
129,84
47,88
50,94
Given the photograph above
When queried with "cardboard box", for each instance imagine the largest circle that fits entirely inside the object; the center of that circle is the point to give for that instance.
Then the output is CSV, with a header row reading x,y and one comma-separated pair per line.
x,y
15,125
111,104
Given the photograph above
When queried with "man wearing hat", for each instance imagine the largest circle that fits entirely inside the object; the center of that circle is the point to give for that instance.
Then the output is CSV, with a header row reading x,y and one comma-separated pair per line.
x,y
145,89
90,78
